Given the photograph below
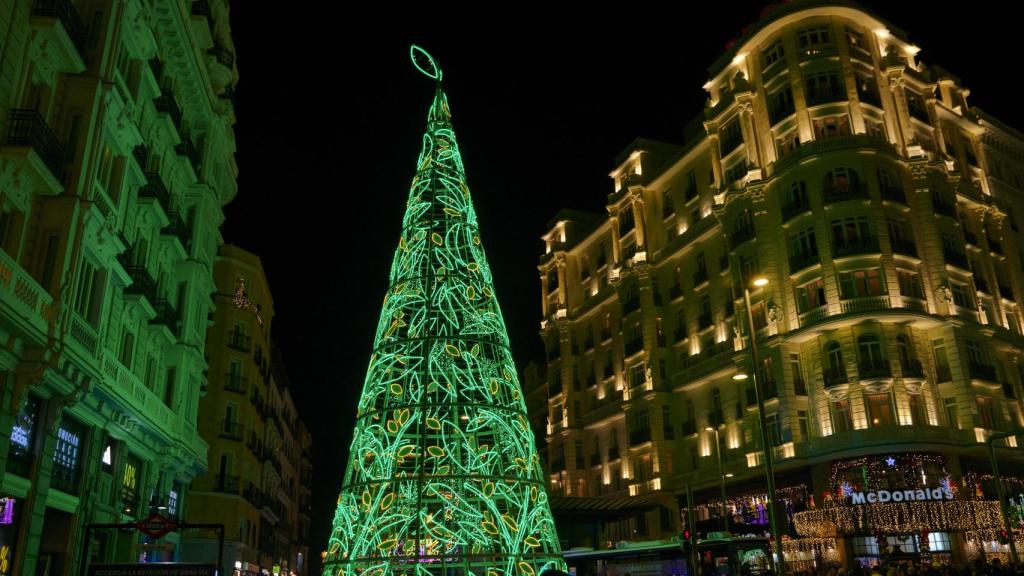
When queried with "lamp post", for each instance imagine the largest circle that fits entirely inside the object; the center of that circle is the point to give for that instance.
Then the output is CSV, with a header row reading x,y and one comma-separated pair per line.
x,y
999,487
721,476
763,425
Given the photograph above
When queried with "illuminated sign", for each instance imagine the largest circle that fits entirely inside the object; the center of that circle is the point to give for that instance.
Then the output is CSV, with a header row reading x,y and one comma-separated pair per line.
x,y
6,511
885,496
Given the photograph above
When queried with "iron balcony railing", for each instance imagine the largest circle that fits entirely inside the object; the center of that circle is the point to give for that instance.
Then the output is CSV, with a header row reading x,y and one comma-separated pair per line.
x,y
154,188
65,11
29,128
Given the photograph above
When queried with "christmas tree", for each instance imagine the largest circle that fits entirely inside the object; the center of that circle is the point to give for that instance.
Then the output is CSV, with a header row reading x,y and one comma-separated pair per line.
x,y
443,476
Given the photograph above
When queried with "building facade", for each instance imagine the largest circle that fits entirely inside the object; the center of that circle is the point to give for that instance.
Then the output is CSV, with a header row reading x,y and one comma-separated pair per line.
x,y
116,158
884,211
249,420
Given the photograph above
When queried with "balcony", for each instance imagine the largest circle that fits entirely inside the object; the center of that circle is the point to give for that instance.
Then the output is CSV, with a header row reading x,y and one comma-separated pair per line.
x,y
942,206
904,247
554,387
65,12
24,296
825,95
855,247
741,235
791,210
874,370
239,341
912,369
823,146
155,189
236,383
834,377
980,371
188,149
1006,292
894,194
700,277
688,428
981,284
802,260
231,430
227,484
633,346
958,259
166,103
142,284
630,305
849,191
704,321
166,315
639,436
177,229
27,128
865,304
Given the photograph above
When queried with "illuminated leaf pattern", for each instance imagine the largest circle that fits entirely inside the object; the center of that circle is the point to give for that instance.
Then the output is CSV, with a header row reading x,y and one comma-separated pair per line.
x,y
443,476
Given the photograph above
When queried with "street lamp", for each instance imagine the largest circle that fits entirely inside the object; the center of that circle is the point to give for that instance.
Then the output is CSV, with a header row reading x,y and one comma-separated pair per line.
x,y
762,419
721,476
999,487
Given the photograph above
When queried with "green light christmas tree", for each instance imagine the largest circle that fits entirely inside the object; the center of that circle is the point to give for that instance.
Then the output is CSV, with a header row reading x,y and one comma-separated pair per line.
x,y
443,476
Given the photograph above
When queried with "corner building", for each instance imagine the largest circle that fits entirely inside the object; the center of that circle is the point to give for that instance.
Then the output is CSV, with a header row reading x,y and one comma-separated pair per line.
x,y
116,158
884,211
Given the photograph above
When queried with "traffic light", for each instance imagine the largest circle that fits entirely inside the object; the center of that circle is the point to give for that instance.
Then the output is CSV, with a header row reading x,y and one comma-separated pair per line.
x,y
688,541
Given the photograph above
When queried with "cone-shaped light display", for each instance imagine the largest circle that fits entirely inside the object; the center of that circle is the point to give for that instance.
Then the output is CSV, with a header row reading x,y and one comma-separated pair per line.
x,y
443,476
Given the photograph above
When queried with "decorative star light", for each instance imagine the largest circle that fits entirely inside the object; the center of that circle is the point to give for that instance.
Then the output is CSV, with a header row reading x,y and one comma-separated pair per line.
x,y
891,462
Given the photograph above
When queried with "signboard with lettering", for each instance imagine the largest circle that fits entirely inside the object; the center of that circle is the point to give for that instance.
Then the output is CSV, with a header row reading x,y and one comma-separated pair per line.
x,y
153,569
886,496
156,525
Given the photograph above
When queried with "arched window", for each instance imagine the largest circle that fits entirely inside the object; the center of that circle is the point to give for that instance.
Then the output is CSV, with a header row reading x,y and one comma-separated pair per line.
x,y
796,196
836,372
869,350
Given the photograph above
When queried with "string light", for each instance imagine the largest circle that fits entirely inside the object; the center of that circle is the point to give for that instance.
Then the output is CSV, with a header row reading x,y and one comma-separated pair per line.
x,y
443,474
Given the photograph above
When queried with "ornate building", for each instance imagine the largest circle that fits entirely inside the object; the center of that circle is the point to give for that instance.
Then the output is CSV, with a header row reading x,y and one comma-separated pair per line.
x,y
257,443
884,211
116,158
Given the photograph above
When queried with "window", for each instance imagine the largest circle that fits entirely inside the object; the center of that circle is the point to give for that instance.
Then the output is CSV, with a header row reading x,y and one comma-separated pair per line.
x,y
636,375
24,429
869,349
938,542
67,454
910,284
691,185
797,196
774,430
867,90
961,295
851,232
918,413
803,244
814,36
831,126
942,372
716,417
823,86
865,546
731,136
841,181
855,39
780,104
736,172
130,482
861,283
773,53
88,296
949,405
986,414
903,350
880,409
787,143
801,418
841,416
667,205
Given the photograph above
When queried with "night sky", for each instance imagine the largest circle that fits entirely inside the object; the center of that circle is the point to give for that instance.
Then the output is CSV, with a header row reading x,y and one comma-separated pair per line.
x,y
331,113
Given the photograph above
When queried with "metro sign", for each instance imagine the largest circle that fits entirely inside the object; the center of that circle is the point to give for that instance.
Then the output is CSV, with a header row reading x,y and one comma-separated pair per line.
x,y
156,525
